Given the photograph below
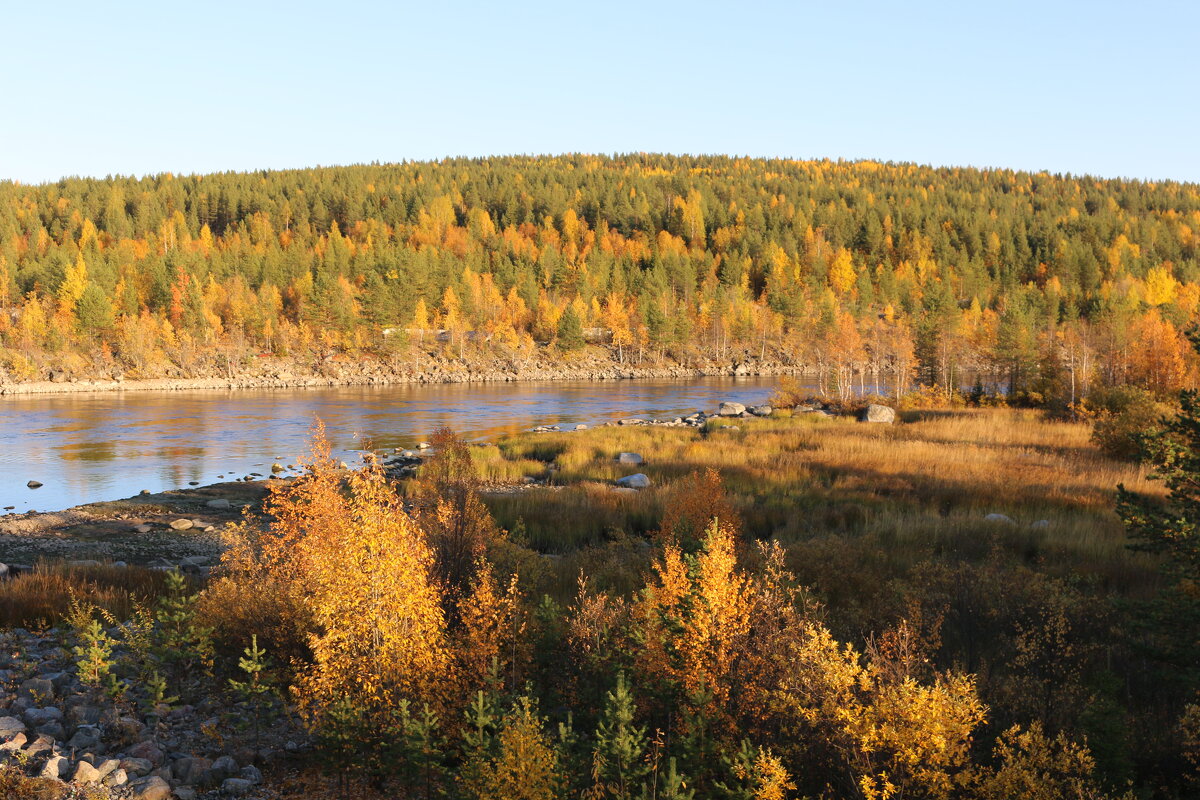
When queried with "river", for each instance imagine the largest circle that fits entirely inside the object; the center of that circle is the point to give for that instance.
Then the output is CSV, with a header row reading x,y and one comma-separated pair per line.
x,y
89,447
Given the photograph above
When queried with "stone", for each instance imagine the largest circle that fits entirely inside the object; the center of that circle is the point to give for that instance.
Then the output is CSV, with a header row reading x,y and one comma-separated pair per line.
x,y
11,726
185,793
108,766
152,788
634,481
137,766
629,458
86,773
877,413
236,787
219,503
1040,525
191,770
34,484
118,777
56,767
83,714
999,519
731,409
36,717
277,467
4,568
581,427
54,730
251,773
182,525
42,744
629,421
143,528
761,411
224,767
86,737
15,743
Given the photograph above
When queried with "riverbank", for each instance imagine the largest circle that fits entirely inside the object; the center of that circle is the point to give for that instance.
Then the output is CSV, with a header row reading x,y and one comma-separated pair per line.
x,y
345,370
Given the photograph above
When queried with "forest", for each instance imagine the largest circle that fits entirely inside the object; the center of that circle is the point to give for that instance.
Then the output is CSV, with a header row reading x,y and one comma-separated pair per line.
x,y
1036,284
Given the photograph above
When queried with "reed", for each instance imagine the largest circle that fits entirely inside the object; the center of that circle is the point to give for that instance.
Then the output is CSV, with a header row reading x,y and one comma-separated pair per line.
x,y
41,597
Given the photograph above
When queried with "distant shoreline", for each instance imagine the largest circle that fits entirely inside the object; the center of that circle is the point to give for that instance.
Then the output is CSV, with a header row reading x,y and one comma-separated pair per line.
x,y
380,375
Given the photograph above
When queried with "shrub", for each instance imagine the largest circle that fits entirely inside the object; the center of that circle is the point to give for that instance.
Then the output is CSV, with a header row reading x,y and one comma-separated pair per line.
x,y
1123,415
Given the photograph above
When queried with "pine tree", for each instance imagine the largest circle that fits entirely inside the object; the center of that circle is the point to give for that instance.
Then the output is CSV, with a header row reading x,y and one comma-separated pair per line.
x,y
570,330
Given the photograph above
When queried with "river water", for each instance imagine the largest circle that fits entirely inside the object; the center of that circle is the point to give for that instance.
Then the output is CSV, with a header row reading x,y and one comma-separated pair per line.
x,y
103,446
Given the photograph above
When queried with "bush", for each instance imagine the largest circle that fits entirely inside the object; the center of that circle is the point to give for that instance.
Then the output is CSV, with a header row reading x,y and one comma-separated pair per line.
x,y
1123,415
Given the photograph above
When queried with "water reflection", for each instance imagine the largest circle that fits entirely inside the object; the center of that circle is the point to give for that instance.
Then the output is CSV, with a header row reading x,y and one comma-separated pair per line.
x,y
94,447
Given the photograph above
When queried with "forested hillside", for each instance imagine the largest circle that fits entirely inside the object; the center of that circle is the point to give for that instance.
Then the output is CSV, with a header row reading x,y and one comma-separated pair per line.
x,y
896,271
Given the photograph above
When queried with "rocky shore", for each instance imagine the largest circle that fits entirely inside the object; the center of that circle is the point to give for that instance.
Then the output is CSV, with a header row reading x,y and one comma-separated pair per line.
x,y
348,371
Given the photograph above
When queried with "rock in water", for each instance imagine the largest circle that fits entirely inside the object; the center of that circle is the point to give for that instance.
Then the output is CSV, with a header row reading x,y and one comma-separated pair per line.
x,y
878,413
34,484
730,409
635,481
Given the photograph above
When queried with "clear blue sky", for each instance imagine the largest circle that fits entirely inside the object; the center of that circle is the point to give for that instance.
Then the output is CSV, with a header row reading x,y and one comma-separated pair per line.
x,y
128,87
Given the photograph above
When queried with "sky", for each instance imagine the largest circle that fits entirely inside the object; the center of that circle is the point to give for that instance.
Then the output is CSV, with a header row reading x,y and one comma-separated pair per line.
x,y
1107,89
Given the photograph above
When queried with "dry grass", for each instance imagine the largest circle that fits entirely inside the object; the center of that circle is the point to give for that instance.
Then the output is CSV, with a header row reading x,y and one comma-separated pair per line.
x,y
41,597
918,488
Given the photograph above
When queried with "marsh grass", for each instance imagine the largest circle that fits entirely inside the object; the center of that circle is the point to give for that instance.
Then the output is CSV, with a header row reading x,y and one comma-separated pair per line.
x,y
42,596
914,490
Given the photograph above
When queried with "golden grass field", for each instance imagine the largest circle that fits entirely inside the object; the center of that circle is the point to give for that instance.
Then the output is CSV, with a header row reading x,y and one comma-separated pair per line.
x,y
896,493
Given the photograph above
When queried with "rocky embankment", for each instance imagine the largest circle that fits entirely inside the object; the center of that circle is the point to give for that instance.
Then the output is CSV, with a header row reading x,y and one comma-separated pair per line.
x,y
367,371
54,728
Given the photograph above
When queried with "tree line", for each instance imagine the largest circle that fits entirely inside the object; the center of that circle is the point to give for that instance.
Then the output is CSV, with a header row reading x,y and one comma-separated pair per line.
x,y
892,273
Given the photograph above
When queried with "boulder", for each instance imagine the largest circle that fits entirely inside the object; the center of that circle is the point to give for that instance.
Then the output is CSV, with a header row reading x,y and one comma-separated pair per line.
x,y
146,751
85,773
191,769
37,717
56,768
635,481
152,788
236,787
761,411
87,737
219,503
999,519
11,726
137,766
878,413
222,768
34,484
16,742
118,777
731,409
182,525
629,458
